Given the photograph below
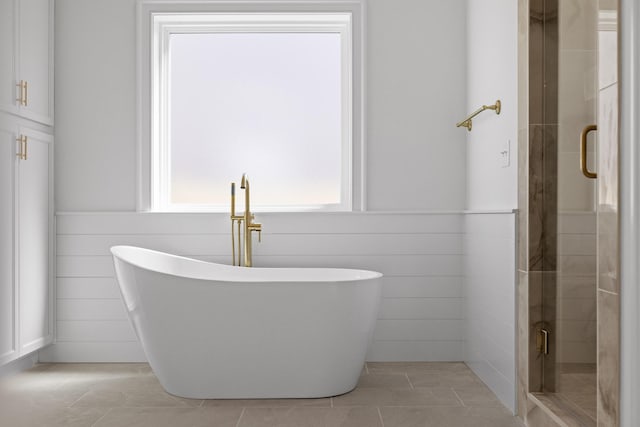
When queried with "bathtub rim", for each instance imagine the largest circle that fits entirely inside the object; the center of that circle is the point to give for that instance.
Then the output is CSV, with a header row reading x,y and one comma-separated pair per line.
x,y
237,275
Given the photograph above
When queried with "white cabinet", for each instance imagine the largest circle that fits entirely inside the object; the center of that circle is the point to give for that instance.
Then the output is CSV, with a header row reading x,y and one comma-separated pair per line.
x,y
8,291
26,59
26,239
34,217
26,177
7,57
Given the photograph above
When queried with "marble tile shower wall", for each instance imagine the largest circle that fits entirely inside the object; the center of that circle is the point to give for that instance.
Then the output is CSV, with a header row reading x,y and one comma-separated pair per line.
x,y
537,195
576,288
576,98
422,310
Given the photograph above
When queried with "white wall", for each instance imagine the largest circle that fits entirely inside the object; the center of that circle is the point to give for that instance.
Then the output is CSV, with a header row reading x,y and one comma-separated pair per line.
x,y
490,245
492,73
415,94
95,130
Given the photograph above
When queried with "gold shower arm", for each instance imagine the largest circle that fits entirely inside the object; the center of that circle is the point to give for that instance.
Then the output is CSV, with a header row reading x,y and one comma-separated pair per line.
x,y
467,122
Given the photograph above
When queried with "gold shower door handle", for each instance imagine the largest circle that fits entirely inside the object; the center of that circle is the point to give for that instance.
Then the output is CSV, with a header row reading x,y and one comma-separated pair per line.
x,y
583,152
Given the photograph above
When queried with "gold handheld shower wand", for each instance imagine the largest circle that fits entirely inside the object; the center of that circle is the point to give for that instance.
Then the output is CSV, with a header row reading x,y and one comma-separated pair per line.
x,y
235,218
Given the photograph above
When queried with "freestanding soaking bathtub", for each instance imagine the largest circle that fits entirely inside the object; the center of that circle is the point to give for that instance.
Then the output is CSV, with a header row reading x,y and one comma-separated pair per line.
x,y
213,331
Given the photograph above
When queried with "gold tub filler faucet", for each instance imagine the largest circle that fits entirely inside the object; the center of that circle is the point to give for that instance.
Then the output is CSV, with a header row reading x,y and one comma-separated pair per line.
x,y
245,225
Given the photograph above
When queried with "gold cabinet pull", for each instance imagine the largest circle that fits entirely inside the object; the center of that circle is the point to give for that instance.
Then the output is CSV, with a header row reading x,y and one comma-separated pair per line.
x,y
23,87
20,147
583,152
20,97
22,154
26,94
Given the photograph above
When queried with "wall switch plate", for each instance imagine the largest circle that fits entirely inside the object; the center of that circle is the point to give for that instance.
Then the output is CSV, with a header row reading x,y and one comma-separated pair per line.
x,y
505,154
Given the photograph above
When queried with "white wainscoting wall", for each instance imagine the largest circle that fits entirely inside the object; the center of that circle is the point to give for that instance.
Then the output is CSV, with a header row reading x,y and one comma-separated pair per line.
x,y
421,315
490,301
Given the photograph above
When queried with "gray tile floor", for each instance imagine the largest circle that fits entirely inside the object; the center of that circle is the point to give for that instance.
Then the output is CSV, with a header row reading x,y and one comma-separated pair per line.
x,y
577,384
388,395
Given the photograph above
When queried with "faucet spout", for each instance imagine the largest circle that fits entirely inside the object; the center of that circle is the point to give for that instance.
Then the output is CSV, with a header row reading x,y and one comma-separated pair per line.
x,y
244,184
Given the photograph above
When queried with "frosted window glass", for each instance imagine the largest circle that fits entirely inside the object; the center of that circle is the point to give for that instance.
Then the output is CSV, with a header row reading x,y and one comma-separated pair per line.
x,y
268,104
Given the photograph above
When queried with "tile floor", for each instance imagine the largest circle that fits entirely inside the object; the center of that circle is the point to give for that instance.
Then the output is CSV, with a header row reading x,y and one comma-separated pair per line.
x,y
388,395
577,384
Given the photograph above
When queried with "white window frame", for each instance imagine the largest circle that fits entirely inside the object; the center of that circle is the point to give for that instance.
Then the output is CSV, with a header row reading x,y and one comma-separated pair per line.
x,y
156,21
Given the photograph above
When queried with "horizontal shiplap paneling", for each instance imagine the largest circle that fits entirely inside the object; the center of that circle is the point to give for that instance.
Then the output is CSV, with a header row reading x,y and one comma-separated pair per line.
x,y
420,254
95,331
93,352
421,308
418,330
132,223
87,288
272,244
416,351
422,287
490,296
90,309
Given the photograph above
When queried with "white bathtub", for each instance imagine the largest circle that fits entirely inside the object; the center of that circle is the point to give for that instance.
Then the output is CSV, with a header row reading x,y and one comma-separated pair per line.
x,y
213,331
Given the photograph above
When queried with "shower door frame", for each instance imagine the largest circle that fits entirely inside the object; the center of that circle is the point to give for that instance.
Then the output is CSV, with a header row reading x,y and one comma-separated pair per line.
x,y
629,68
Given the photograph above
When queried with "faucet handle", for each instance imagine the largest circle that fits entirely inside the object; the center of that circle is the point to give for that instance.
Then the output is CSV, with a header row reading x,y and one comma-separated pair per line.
x,y
256,227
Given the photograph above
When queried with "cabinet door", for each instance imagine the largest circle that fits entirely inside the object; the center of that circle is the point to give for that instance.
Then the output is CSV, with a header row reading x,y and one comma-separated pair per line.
x,y
8,330
34,216
35,37
8,92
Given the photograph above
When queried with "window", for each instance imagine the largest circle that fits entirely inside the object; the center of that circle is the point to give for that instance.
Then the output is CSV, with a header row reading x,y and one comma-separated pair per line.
x,y
267,93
